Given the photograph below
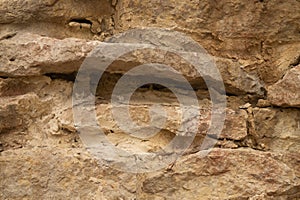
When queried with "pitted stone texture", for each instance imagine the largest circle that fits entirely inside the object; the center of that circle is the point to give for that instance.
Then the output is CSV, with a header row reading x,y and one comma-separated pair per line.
x,y
61,174
191,177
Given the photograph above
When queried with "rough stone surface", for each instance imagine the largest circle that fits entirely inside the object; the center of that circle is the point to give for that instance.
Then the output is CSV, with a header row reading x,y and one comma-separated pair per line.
x,y
257,169
42,55
255,46
77,175
277,130
38,55
57,18
286,92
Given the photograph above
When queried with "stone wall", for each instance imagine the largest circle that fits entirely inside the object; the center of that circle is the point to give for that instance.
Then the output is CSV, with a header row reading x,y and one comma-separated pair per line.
x,y
256,46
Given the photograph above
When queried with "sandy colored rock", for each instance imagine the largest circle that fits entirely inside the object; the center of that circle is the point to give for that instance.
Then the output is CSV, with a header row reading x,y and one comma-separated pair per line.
x,y
237,79
53,17
38,55
199,173
262,103
286,92
70,168
18,112
77,174
42,55
256,49
283,57
12,87
235,126
277,130
231,29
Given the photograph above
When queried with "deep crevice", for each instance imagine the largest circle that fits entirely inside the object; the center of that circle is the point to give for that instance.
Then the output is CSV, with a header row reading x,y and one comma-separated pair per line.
x,y
8,36
154,86
67,77
231,94
82,21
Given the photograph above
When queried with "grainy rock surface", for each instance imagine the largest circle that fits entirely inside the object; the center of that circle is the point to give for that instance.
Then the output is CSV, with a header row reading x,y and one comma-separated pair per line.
x,y
255,46
285,92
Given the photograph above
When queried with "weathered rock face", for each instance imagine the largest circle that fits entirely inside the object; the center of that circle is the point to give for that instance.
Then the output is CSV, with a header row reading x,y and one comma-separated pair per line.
x,y
38,55
255,46
58,18
42,55
286,92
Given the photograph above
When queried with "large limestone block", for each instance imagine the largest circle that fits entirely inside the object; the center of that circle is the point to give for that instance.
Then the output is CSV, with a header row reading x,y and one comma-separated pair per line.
x,y
38,55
